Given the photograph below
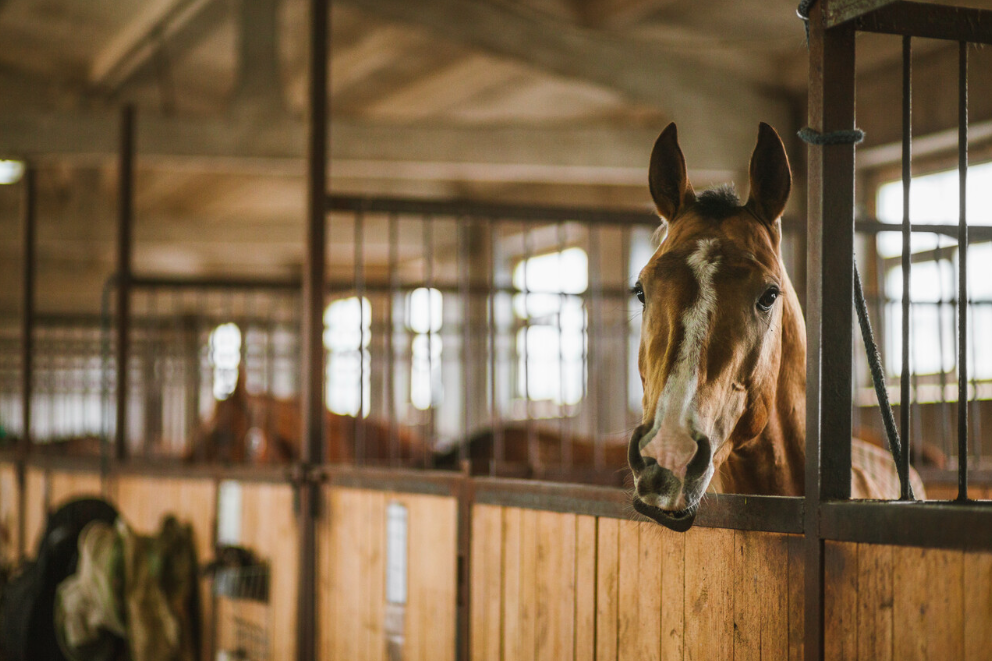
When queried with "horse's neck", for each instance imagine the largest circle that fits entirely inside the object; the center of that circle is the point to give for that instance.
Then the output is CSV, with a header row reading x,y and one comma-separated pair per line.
x,y
774,462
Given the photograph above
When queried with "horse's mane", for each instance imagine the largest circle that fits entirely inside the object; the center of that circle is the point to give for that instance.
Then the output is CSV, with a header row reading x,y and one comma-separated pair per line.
x,y
715,203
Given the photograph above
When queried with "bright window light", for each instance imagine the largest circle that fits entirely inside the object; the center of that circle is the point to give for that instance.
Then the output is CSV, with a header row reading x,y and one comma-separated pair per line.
x,y
11,172
347,335
551,348
933,281
424,316
225,356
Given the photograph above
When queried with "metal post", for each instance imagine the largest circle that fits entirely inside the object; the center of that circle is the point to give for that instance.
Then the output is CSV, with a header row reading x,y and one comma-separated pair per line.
x,y
904,380
125,225
312,354
27,342
830,282
962,320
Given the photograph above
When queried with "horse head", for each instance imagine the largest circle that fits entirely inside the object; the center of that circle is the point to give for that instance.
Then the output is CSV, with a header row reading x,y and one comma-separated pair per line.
x,y
717,304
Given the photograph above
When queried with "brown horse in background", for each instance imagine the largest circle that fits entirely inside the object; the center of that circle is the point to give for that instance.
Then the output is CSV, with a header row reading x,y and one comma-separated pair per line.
x,y
262,429
723,348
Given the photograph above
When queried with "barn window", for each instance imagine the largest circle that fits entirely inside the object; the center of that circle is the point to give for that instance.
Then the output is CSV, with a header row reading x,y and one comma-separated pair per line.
x,y
347,334
225,357
424,317
933,282
551,339
11,172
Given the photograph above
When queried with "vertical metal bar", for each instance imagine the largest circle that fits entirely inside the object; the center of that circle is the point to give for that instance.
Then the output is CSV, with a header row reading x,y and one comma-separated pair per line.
x,y
624,333
592,392
962,317
533,451
125,223
394,240
29,220
830,286
566,441
313,360
499,451
907,145
359,426
468,367
429,264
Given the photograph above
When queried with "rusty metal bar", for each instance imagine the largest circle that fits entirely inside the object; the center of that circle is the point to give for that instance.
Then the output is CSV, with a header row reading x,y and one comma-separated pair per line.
x,y
312,345
962,307
830,286
125,227
907,175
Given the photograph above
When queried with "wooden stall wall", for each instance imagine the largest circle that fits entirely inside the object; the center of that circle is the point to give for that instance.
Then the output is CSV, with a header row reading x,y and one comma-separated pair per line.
x,y
143,501
352,569
904,603
10,513
46,490
564,586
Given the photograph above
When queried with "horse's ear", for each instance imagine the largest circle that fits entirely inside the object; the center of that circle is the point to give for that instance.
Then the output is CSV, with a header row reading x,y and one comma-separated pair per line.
x,y
771,177
667,177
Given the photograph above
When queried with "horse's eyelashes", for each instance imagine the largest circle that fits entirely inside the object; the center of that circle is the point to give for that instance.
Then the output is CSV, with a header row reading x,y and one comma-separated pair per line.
x,y
638,291
767,299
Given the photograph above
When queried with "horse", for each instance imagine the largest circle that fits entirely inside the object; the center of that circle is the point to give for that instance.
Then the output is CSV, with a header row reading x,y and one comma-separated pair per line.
x,y
262,429
539,452
722,354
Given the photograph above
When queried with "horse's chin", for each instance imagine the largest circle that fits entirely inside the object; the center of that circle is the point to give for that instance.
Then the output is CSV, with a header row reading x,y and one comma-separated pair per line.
x,y
677,520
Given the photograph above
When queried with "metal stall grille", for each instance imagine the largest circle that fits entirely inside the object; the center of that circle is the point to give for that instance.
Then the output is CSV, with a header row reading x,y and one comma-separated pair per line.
x,y
830,514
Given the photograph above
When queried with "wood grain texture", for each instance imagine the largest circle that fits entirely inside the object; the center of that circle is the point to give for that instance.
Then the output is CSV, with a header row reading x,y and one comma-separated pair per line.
x,y
486,582
977,606
761,593
512,558
585,588
527,610
928,602
874,602
840,607
10,504
797,597
607,589
433,574
709,585
628,621
672,594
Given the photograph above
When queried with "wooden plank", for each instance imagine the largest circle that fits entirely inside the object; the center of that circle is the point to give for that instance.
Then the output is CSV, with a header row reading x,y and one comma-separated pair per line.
x,y
747,597
512,556
628,585
928,602
709,613
564,647
10,503
487,567
840,600
607,585
268,526
874,623
761,594
327,555
527,612
585,589
797,596
649,558
373,571
672,594
34,509
977,605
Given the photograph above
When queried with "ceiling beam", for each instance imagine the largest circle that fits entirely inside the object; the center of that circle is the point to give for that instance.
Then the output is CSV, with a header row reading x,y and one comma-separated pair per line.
x,y
176,25
589,155
716,108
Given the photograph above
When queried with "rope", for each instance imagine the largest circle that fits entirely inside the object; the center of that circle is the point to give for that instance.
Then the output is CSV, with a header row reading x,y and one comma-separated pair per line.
x,y
854,137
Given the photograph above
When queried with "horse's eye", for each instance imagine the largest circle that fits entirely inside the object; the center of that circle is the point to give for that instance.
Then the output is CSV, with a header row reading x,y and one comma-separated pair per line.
x,y
767,299
638,291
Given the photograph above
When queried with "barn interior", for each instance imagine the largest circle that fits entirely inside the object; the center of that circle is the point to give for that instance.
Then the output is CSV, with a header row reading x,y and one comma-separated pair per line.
x,y
487,214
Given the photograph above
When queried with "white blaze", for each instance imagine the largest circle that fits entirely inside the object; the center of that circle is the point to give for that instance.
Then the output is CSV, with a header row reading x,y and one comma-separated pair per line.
x,y
673,409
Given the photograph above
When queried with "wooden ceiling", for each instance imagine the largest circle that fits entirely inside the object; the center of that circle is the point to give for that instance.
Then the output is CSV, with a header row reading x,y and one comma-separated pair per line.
x,y
530,100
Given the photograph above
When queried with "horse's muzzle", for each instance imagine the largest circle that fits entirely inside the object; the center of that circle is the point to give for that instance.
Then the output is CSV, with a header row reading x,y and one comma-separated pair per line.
x,y
651,478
